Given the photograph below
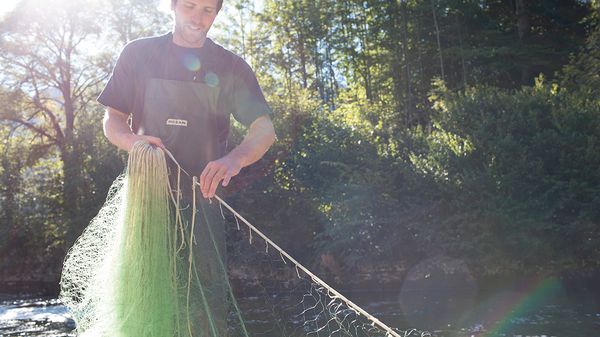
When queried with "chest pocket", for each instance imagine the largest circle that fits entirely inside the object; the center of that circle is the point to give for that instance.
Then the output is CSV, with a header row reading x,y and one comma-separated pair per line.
x,y
184,116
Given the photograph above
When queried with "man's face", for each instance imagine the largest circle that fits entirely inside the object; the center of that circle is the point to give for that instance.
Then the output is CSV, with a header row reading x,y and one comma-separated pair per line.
x,y
193,19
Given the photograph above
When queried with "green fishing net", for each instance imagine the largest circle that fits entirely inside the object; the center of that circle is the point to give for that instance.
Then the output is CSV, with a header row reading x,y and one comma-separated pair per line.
x,y
142,268
153,263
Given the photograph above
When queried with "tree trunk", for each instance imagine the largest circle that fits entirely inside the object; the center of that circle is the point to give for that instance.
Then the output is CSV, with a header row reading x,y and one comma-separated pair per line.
x,y
523,28
394,45
319,77
437,35
242,30
303,61
366,73
523,24
409,105
10,180
462,51
71,192
333,85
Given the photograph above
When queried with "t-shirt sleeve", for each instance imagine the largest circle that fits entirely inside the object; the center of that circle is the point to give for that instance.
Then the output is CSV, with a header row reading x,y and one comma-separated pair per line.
x,y
119,91
247,97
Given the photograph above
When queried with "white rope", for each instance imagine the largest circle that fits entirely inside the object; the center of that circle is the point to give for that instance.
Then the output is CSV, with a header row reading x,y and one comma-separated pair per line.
x,y
313,277
336,295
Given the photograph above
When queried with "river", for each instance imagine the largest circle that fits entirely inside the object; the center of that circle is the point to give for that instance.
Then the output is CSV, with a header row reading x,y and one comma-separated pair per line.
x,y
496,316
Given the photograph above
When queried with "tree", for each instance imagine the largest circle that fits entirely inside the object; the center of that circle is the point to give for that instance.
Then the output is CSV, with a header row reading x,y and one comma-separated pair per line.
x,y
131,19
507,199
582,72
46,68
53,65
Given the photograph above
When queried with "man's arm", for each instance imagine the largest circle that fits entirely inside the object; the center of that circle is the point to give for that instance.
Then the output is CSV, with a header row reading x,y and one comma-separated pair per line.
x,y
260,136
118,132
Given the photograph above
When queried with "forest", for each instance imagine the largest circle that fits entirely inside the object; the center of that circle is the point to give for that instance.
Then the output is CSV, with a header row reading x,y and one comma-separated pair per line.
x,y
407,130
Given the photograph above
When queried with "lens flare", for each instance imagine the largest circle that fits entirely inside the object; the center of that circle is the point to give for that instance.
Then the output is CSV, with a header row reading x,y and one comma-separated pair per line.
x,y
536,294
211,79
191,62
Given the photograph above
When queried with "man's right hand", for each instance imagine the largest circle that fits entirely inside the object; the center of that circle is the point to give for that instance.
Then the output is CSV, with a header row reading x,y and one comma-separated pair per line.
x,y
149,139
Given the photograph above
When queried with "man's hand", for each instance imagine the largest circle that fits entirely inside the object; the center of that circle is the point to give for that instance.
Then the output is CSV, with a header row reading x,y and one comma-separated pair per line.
x,y
149,139
217,170
259,138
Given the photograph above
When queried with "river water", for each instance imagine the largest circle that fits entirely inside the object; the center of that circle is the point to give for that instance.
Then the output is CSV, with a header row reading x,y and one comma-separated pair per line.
x,y
27,316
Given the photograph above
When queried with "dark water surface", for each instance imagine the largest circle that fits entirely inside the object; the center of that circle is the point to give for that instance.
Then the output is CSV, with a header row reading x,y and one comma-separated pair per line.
x,y
504,313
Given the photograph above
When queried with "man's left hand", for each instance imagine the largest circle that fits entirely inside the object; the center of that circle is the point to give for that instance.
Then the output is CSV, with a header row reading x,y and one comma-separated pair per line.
x,y
217,170
257,141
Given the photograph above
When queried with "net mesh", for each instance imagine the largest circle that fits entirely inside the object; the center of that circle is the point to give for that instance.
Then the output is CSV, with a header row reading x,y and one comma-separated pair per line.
x,y
153,262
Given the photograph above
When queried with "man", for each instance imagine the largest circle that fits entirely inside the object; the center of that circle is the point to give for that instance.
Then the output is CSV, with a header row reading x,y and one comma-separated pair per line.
x,y
183,57
178,91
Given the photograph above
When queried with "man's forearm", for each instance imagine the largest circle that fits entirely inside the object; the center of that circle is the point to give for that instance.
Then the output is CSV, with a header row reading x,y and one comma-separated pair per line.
x,y
118,132
260,136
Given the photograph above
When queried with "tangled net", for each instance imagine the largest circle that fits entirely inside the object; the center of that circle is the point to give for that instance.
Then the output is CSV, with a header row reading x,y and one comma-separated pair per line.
x,y
153,264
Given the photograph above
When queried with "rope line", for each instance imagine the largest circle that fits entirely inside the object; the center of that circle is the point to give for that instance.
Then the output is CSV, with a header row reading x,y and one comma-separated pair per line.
x,y
313,277
335,294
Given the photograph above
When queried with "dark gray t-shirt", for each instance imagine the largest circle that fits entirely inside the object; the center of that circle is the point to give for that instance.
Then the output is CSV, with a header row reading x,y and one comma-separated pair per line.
x,y
159,58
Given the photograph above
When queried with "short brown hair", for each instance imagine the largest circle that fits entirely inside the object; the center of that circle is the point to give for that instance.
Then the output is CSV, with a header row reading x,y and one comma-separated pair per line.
x,y
219,4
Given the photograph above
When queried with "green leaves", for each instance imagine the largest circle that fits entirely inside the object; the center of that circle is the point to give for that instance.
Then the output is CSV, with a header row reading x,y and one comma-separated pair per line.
x,y
529,170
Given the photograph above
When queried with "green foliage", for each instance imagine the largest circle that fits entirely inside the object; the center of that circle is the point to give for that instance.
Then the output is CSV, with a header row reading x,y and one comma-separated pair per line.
x,y
381,158
519,175
583,72
32,228
389,51
51,76
128,20
269,191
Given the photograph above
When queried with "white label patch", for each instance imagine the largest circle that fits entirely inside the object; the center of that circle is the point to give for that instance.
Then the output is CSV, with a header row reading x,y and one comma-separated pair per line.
x,y
176,122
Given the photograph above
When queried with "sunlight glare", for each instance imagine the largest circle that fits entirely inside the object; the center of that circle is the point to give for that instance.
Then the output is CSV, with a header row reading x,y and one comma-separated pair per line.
x,y
7,6
165,6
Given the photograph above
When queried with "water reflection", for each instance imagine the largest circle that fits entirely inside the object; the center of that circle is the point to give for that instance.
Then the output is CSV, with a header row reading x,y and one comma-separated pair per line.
x,y
35,317
47,317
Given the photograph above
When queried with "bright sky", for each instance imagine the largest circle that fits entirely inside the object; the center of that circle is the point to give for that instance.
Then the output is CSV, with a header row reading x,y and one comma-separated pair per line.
x,y
7,6
165,5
